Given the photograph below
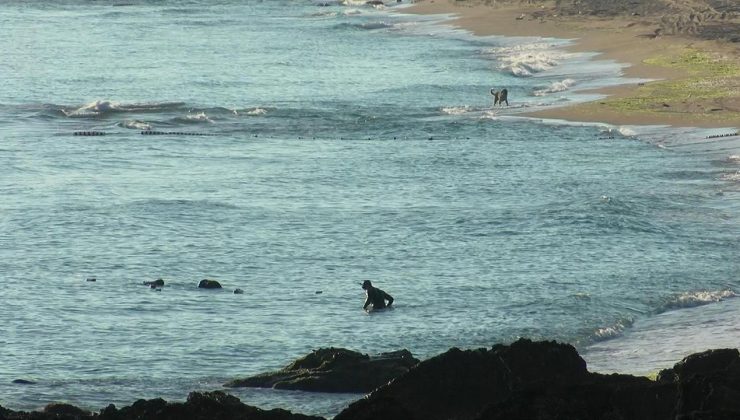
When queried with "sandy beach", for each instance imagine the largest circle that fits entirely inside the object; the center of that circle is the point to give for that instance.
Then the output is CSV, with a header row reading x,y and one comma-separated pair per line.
x,y
694,73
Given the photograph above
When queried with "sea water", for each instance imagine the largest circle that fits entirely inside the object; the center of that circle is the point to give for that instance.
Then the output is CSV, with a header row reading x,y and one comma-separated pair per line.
x,y
307,146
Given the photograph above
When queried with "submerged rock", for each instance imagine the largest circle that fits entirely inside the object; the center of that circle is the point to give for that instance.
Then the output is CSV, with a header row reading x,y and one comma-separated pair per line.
x,y
23,382
155,283
334,370
209,284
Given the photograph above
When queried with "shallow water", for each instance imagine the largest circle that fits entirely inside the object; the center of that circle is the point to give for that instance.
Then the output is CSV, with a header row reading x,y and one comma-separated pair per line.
x,y
335,144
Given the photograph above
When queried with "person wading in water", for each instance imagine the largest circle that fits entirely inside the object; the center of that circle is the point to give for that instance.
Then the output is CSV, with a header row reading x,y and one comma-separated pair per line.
x,y
376,297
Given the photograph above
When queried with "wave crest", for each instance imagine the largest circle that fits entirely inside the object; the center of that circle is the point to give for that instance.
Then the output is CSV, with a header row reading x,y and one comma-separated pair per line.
x,y
136,125
698,298
367,26
527,59
615,330
555,87
99,108
198,118
257,111
455,110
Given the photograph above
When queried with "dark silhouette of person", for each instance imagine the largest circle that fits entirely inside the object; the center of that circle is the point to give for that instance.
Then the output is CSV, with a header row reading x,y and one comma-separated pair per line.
x,y
375,296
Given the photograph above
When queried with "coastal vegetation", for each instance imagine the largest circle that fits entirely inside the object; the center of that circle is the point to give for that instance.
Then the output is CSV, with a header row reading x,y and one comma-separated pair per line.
x,y
709,81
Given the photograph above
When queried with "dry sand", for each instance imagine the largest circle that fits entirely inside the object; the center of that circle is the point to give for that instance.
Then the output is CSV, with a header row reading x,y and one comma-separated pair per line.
x,y
697,82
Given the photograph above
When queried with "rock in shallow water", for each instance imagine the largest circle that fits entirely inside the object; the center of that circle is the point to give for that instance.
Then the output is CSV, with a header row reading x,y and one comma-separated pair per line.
x,y
209,284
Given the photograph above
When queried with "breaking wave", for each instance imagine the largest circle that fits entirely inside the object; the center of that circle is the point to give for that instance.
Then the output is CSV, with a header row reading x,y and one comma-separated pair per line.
x,y
697,298
136,125
200,117
100,108
527,59
615,330
367,26
555,87
256,111
455,110
734,177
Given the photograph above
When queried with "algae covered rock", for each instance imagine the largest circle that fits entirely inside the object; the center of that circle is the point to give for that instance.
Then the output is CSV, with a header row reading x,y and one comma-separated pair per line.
x,y
334,370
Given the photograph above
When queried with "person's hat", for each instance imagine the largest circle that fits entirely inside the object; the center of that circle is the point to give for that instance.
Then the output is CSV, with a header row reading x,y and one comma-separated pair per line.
x,y
366,284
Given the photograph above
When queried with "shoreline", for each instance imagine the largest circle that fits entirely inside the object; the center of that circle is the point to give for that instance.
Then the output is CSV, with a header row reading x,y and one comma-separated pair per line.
x,y
693,82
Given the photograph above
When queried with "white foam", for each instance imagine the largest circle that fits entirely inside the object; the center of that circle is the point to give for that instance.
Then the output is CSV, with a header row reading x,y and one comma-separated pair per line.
x,y
660,341
257,111
137,125
555,87
734,177
92,109
100,107
353,2
627,131
455,110
199,117
697,298
614,330
525,60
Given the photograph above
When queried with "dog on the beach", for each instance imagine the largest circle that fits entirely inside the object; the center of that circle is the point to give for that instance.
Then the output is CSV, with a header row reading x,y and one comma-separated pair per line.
x,y
500,96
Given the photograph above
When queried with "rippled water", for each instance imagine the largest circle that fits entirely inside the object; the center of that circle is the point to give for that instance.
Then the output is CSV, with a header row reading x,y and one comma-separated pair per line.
x,y
327,145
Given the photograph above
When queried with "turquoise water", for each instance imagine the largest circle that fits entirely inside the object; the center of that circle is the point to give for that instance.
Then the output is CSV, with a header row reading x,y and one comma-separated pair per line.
x,y
335,144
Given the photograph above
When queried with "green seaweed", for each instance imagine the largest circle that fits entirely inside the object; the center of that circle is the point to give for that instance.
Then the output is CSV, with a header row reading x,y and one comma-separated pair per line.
x,y
709,78
695,61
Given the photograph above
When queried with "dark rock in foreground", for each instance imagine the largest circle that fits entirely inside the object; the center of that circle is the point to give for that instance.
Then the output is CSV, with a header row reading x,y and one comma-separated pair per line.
x,y
523,381
199,406
334,370
549,381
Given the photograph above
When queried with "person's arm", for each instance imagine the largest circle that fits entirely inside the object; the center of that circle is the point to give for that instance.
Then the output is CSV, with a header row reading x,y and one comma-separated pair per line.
x,y
367,302
389,298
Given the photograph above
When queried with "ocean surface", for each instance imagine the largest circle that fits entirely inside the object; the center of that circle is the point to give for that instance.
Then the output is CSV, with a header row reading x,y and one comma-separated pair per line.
x,y
293,149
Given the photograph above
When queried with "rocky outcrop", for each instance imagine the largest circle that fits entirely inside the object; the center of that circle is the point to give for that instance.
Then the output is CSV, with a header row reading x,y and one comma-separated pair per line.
x,y
460,384
199,406
334,370
209,284
547,380
525,380
708,385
